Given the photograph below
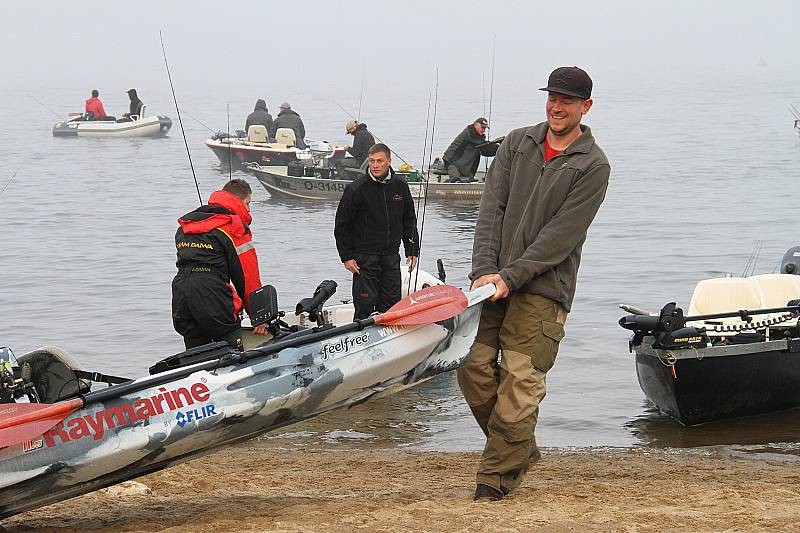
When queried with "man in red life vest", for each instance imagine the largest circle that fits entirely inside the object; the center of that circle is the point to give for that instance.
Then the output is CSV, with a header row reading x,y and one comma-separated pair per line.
x,y
217,269
94,107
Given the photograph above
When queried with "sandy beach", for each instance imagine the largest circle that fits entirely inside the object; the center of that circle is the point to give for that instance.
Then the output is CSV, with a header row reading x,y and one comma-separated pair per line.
x,y
259,486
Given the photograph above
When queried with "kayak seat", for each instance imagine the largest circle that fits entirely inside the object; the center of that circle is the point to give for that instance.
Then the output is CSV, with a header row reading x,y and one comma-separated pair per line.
x,y
53,374
257,133
286,136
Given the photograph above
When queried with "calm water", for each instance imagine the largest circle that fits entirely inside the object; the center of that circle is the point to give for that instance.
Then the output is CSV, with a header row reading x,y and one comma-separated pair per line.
x,y
702,169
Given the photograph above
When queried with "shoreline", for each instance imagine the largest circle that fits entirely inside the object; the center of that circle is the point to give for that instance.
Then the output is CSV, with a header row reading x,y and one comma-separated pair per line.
x,y
258,486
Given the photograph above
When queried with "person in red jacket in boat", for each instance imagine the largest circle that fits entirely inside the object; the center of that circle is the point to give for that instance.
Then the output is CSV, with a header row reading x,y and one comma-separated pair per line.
x,y
94,108
217,269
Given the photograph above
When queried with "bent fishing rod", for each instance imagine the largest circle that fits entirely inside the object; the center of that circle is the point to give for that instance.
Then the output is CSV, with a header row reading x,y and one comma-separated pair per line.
x,y
346,112
44,106
177,110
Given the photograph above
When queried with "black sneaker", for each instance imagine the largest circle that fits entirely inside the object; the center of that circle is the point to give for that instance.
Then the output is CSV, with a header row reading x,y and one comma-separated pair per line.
x,y
486,492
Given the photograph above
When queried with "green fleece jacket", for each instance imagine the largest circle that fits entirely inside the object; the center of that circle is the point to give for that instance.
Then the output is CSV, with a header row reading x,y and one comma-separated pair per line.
x,y
534,215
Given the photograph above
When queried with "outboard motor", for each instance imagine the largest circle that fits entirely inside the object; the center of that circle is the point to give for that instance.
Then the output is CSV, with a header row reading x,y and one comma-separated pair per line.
x,y
313,305
790,264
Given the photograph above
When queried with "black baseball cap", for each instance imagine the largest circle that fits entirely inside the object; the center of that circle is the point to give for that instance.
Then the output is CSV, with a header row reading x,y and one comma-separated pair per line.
x,y
572,81
483,121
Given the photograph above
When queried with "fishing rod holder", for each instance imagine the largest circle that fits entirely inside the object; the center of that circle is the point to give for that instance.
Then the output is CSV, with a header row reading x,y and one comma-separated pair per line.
x,y
313,305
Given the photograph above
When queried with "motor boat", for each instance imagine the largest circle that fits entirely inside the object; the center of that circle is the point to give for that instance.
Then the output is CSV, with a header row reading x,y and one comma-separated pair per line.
x,y
78,125
736,352
255,147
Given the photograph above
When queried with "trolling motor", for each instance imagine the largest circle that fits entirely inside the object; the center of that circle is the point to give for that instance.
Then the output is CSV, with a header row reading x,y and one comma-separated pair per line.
x,y
668,328
313,305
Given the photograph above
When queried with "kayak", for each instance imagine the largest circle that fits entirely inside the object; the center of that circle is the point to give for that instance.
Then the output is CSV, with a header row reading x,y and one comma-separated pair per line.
x,y
212,397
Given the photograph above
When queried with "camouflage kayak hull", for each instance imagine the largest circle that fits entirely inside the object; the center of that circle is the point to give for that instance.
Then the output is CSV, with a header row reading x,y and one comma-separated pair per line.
x,y
158,426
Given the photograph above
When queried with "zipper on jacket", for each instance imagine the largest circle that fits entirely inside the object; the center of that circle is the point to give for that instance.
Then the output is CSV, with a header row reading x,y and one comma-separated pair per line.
x,y
386,210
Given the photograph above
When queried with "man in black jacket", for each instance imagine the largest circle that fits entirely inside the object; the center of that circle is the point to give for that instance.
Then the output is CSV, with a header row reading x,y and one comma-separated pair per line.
x,y
261,116
375,213
135,107
287,118
362,141
463,155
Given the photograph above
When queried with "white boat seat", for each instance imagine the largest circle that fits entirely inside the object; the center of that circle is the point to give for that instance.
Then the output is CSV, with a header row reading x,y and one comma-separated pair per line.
x,y
286,136
257,133
142,110
777,289
722,295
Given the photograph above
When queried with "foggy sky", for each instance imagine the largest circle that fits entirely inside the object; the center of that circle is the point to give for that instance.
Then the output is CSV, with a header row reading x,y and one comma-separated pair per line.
x,y
68,43
314,53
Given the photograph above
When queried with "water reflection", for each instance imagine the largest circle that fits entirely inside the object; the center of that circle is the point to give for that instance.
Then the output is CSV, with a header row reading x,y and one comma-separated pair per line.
x,y
776,433
413,418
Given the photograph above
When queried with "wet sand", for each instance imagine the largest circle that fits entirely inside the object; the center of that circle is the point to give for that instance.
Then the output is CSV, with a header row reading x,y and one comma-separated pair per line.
x,y
258,486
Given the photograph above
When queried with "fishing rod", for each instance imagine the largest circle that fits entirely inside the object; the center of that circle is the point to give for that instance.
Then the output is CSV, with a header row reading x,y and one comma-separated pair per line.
x,y
44,106
483,92
361,96
199,122
422,171
491,94
427,182
373,133
9,181
230,148
177,110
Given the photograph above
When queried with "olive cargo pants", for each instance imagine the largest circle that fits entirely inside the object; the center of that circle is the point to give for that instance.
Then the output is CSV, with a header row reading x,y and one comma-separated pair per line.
x,y
504,391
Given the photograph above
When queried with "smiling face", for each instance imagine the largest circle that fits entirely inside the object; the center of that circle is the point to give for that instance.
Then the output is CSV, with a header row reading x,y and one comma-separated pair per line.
x,y
564,114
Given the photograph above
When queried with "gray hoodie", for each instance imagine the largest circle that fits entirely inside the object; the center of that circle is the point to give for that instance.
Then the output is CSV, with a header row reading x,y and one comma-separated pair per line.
x,y
534,216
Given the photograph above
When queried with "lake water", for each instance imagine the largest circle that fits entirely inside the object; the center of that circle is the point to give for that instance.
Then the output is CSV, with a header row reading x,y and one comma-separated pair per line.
x,y
703,168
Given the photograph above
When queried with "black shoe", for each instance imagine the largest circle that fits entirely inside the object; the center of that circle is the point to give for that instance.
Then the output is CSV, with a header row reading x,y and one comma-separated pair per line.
x,y
485,491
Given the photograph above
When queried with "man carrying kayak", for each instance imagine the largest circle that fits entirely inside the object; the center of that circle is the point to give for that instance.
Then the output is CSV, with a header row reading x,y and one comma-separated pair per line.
x,y
217,269
542,192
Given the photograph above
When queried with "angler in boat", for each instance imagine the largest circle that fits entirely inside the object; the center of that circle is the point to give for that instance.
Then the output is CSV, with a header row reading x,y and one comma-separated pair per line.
x,y
375,214
463,155
362,142
290,120
217,269
136,106
261,117
94,108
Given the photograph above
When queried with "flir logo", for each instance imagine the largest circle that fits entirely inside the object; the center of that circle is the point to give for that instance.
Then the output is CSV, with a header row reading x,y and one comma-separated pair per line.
x,y
195,415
